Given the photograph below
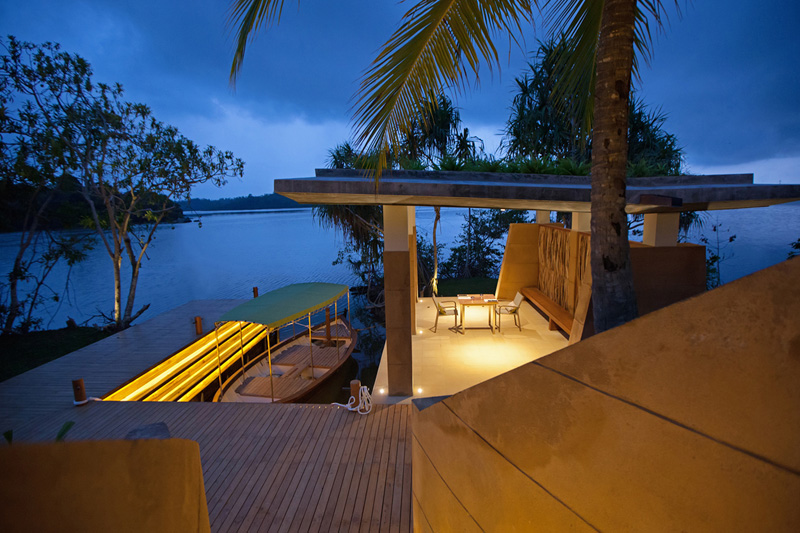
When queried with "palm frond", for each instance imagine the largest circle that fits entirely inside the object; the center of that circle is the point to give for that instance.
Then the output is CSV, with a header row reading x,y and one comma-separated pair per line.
x,y
579,22
248,16
436,46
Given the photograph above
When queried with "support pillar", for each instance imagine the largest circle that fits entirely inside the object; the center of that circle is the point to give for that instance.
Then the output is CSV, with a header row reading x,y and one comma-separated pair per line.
x,y
661,229
542,217
412,248
397,287
581,221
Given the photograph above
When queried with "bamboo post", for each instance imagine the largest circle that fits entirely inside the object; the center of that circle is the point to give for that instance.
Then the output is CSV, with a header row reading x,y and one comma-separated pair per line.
x,y
255,292
198,325
310,346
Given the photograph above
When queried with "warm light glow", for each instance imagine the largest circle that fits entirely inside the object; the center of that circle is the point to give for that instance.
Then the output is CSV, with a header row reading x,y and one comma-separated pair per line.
x,y
382,391
419,390
185,374
419,331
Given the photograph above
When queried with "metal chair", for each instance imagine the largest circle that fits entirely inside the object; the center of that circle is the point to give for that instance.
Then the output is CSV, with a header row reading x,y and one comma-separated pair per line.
x,y
510,309
445,308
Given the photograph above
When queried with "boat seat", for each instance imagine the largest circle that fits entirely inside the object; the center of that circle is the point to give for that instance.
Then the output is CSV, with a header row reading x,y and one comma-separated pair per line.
x,y
284,386
338,332
299,354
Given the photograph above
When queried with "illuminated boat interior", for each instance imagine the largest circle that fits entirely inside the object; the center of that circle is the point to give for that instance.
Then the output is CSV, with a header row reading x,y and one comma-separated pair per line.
x,y
306,315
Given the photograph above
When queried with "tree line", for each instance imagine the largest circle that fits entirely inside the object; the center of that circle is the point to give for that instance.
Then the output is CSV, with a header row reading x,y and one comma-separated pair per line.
x,y
76,155
542,136
241,203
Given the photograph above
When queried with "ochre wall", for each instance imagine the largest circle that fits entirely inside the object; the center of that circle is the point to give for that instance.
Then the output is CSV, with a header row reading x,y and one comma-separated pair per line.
x,y
520,266
119,486
686,419
397,272
663,275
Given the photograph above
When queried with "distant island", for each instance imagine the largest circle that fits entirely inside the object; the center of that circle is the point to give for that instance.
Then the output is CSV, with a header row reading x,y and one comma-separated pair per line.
x,y
242,203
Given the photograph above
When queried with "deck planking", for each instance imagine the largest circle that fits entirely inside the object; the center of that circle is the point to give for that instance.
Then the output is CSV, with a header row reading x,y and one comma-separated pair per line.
x,y
286,467
104,365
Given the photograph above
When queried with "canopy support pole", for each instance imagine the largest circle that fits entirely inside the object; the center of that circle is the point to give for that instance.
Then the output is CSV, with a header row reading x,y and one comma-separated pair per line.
x,y
219,365
335,321
310,346
241,348
269,359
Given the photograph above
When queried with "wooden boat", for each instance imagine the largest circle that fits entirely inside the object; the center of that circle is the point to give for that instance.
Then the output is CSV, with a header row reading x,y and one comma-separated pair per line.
x,y
244,360
295,370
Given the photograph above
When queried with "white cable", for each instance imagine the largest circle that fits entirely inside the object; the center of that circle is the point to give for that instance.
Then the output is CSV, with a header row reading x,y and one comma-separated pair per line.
x,y
87,400
364,404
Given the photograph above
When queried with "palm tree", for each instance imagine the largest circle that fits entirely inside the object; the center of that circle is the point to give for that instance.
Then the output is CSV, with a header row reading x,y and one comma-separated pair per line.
x,y
442,43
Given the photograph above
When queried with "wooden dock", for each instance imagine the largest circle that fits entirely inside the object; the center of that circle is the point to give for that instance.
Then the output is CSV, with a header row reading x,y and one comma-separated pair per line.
x,y
283,467
290,467
104,365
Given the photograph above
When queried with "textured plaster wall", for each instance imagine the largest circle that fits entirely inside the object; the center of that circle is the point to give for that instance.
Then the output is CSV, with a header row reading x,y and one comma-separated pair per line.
x,y
686,419
520,266
120,485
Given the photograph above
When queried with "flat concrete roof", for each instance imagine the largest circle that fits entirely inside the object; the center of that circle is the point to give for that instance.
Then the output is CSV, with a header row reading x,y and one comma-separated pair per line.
x,y
663,194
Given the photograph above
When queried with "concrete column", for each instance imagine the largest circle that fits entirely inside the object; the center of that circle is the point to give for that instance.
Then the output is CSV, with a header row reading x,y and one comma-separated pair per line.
x,y
661,229
412,247
581,221
397,286
542,217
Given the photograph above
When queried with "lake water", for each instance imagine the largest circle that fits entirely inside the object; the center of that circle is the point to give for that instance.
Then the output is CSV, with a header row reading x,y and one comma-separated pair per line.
x,y
228,254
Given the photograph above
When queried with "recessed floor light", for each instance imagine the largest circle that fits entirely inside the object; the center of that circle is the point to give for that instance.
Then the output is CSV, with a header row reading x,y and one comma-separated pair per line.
x,y
419,391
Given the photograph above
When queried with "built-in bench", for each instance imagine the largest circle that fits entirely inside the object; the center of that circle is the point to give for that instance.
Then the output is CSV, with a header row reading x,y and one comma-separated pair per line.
x,y
557,315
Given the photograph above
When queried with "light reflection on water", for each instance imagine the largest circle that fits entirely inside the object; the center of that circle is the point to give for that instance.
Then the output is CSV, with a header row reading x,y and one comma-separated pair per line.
x,y
232,253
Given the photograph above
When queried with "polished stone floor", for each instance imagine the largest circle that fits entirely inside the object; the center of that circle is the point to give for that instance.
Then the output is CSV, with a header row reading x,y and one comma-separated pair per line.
x,y
446,362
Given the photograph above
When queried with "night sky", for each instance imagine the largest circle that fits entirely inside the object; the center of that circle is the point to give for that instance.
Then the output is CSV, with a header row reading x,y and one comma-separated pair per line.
x,y
726,73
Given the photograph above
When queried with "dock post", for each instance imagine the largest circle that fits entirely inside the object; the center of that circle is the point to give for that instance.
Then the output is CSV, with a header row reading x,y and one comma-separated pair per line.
x,y
255,292
355,388
198,325
310,347
328,325
79,392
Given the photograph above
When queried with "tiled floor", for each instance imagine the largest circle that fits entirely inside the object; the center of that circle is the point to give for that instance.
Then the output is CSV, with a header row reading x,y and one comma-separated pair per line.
x,y
446,362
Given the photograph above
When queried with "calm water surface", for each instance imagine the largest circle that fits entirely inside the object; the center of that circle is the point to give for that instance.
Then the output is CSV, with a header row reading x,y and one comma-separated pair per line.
x,y
228,254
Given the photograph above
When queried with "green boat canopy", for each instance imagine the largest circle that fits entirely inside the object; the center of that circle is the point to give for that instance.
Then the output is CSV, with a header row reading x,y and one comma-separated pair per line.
x,y
283,305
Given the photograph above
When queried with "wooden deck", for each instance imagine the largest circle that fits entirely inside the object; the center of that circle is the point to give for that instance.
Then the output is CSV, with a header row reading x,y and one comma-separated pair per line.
x,y
290,467
286,467
104,365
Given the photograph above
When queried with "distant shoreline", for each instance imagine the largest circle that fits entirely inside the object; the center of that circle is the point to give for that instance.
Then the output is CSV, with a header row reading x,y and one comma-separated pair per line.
x,y
211,212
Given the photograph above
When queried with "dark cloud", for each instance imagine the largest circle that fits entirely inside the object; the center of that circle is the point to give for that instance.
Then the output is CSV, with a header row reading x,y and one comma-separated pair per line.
x,y
725,74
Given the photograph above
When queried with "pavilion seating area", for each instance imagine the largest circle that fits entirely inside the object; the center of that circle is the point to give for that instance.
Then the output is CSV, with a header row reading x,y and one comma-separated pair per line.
x,y
550,266
446,362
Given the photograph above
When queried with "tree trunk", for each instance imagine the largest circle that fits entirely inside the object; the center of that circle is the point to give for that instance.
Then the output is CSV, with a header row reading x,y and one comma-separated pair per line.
x,y
117,261
613,296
